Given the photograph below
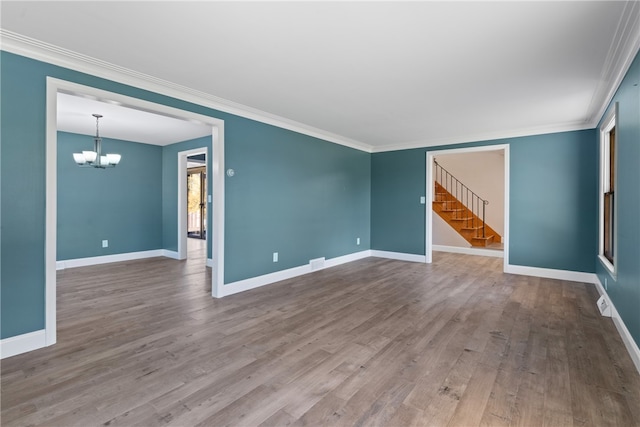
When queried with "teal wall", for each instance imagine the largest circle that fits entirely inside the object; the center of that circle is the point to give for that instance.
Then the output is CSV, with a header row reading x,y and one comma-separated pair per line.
x,y
307,198
170,190
552,213
292,193
398,180
22,189
296,195
122,205
624,290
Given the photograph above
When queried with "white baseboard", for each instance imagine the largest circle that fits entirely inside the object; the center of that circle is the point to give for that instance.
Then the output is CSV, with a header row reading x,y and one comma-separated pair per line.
x,y
170,254
266,279
549,273
22,343
576,276
627,339
399,256
332,262
105,259
468,251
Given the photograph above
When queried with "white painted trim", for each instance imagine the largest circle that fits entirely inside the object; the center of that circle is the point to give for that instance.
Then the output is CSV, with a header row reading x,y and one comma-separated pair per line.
x,y
23,343
51,211
428,209
170,254
624,49
346,258
398,256
507,200
217,197
487,136
107,259
549,273
430,185
267,279
182,197
468,251
607,264
54,86
610,122
42,51
627,339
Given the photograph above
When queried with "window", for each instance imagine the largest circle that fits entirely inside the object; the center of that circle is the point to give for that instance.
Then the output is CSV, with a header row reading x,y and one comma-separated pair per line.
x,y
607,191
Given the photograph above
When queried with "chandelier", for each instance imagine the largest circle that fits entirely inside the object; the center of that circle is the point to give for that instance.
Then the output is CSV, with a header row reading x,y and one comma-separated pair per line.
x,y
95,158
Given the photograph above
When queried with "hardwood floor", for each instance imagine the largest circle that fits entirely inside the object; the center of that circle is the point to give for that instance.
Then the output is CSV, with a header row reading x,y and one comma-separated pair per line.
x,y
374,342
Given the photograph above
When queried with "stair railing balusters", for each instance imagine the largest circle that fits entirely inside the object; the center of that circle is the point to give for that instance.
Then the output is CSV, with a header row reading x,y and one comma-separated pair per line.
x,y
444,185
484,204
449,190
438,197
454,199
473,217
465,212
457,203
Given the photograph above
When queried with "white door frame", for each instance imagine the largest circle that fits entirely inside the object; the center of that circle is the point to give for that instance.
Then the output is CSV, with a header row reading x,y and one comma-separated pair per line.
x,y
182,198
54,86
430,196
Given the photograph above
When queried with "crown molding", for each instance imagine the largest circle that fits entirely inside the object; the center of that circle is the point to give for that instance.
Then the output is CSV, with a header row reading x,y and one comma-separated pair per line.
x,y
624,48
46,52
482,137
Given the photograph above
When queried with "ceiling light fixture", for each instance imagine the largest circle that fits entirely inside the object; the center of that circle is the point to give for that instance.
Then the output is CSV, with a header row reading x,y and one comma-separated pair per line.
x,y
95,158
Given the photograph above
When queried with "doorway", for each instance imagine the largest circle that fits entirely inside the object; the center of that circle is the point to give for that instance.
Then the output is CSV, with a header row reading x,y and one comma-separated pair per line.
x,y
55,86
430,184
197,197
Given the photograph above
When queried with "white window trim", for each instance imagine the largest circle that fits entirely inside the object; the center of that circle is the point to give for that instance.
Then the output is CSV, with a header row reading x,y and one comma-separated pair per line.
x,y
607,125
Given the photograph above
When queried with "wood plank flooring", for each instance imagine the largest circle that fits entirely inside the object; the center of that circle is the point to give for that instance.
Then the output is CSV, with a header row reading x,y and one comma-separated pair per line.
x,y
372,343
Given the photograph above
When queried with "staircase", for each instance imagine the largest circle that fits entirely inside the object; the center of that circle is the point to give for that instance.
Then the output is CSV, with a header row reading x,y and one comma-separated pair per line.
x,y
462,209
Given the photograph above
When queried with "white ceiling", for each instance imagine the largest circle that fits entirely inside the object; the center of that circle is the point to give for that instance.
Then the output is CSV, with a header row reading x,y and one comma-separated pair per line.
x,y
380,75
121,122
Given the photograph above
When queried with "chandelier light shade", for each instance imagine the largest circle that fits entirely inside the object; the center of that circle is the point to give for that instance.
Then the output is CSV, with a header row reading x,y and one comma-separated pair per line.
x,y
95,158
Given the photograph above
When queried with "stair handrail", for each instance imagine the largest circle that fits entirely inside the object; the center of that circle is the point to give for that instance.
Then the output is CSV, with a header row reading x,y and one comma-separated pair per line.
x,y
476,200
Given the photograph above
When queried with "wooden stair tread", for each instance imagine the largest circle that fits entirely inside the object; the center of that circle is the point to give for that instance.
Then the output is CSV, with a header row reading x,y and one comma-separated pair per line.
x,y
483,238
459,217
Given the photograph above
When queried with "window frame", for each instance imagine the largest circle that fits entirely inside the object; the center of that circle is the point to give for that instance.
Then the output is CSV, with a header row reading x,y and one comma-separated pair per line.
x,y
608,125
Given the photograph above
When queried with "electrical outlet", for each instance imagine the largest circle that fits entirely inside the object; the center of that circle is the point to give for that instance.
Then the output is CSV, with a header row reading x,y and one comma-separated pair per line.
x,y
358,241
423,200
105,243
275,257
605,284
